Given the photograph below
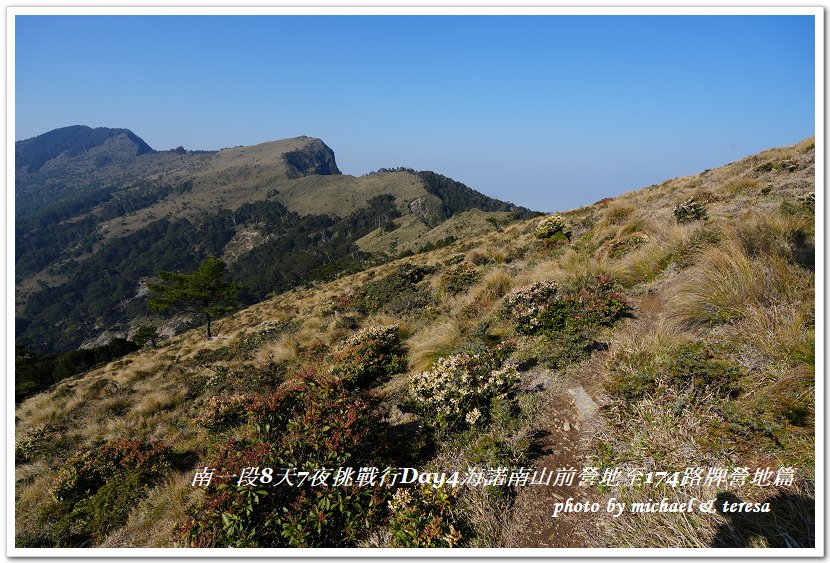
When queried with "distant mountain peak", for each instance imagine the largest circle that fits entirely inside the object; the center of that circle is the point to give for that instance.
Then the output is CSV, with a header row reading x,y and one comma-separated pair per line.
x,y
315,157
71,141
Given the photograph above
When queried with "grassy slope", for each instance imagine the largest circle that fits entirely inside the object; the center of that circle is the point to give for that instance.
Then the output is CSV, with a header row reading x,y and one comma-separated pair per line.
x,y
412,234
731,282
232,177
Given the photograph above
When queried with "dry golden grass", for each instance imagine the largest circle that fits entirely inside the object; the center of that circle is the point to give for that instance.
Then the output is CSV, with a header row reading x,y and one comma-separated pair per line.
x,y
433,342
617,213
153,522
645,264
726,281
742,186
481,299
772,233
718,289
159,401
787,525
783,332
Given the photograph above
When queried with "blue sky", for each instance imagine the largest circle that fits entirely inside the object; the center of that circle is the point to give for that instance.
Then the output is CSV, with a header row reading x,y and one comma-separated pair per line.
x,y
551,112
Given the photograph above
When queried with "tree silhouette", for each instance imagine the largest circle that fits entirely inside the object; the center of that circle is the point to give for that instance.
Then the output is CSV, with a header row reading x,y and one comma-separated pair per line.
x,y
202,293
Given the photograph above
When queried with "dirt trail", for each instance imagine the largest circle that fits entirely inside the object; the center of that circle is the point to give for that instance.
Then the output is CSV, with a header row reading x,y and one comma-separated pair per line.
x,y
570,415
560,446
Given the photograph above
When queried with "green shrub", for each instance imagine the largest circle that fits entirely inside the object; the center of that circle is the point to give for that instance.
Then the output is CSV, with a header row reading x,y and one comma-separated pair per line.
x,y
87,472
372,353
30,444
541,308
690,210
396,293
310,422
94,492
553,351
549,226
424,517
459,278
691,369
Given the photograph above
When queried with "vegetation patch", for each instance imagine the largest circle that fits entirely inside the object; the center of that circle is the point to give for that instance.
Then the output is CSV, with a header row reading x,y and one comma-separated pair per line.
x,y
94,492
310,423
543,308
690,210
550,226
371,354
424,517
395,293
686,372
459,278
460,389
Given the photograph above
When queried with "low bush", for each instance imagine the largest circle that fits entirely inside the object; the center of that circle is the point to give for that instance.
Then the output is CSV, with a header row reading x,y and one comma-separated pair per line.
x,y
309,424
459,278
688,370
395,293
369,355
542,308
550,226
690,210
87,472
222,412
94,492
460,389
424,517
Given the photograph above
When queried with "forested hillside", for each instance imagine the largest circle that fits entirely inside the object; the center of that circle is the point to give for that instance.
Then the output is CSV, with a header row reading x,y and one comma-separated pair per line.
x,y
98,213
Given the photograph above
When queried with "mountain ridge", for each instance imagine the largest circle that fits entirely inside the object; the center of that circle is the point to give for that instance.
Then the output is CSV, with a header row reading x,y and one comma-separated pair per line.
x,y
73,140
94,223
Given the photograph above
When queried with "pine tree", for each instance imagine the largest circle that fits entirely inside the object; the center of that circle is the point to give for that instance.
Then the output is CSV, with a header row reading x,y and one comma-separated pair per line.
x,y
202,293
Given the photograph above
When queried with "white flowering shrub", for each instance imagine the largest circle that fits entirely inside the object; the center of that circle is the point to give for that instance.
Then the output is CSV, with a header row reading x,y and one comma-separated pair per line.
x,y
459,389
542,308
549,226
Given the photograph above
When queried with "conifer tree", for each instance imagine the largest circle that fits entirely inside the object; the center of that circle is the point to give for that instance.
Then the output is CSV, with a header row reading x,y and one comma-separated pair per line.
x,y
202,293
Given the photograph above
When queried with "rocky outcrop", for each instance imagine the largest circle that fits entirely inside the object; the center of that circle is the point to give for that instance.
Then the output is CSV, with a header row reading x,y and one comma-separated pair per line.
x,y
314,158
429,209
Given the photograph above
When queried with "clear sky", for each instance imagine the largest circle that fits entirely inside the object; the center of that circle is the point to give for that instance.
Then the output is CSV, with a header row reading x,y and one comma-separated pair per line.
x,y
550,112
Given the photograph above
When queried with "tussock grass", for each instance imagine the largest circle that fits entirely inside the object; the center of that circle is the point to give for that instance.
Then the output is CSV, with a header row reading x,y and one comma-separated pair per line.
x,y
617,213
153,522
493,286
726,282
788,525
159,401
783,332
718,289
637,225
430,344
282,350
771,234
743,185
645,264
